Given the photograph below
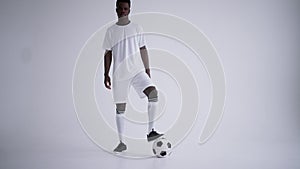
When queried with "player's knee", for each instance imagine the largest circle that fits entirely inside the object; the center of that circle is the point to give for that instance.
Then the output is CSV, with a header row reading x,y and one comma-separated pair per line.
x,y
120,108
153,95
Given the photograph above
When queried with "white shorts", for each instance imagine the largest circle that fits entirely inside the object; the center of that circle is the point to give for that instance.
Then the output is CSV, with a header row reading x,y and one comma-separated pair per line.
x,y
139,82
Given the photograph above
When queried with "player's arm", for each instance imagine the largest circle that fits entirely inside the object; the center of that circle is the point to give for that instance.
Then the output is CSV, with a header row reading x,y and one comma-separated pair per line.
x,y
145,59
107,63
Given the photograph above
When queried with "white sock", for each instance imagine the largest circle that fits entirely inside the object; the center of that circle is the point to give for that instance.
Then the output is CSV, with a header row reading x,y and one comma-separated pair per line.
x,y
120,125
152,106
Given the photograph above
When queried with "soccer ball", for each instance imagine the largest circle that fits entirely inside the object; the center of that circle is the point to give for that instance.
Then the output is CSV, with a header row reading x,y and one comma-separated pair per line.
x,y
162,147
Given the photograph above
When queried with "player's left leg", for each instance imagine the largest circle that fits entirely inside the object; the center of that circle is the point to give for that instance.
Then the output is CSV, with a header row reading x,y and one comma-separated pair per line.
x,y
145,87
152,95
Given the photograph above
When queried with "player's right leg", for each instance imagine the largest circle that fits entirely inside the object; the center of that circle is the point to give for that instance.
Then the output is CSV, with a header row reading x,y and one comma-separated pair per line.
x,y
120,91
120,110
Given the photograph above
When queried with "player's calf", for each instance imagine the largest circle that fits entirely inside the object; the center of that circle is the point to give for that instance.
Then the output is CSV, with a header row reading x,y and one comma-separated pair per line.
x,y
152,95
120,110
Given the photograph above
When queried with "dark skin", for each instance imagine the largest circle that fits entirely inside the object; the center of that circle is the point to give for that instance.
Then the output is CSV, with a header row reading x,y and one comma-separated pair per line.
x,y
123,11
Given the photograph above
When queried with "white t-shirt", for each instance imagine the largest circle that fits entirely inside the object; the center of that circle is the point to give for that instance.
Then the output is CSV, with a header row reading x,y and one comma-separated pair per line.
x,y
125,42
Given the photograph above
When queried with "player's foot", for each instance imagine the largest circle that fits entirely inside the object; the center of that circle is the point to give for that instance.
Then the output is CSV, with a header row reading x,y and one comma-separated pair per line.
x,y
121,147
153,135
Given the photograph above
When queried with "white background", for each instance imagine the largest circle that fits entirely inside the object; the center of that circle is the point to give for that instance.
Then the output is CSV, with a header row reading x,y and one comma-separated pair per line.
x,y
258,43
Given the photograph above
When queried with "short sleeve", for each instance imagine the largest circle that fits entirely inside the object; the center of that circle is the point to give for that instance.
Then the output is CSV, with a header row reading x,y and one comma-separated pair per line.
x,y
107,41
141,37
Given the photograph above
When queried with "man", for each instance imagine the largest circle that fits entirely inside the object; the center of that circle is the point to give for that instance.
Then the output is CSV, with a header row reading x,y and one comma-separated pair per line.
x,y
124,42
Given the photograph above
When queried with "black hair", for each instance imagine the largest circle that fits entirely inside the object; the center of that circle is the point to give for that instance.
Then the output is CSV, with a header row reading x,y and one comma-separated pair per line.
x,y
127,1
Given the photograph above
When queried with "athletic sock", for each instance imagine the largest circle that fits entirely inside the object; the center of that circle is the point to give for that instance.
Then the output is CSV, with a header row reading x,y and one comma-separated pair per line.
x,y
152,106
120,124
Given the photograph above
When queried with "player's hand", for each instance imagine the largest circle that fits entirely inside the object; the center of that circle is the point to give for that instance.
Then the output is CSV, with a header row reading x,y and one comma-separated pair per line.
x,y
107,82
148,72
